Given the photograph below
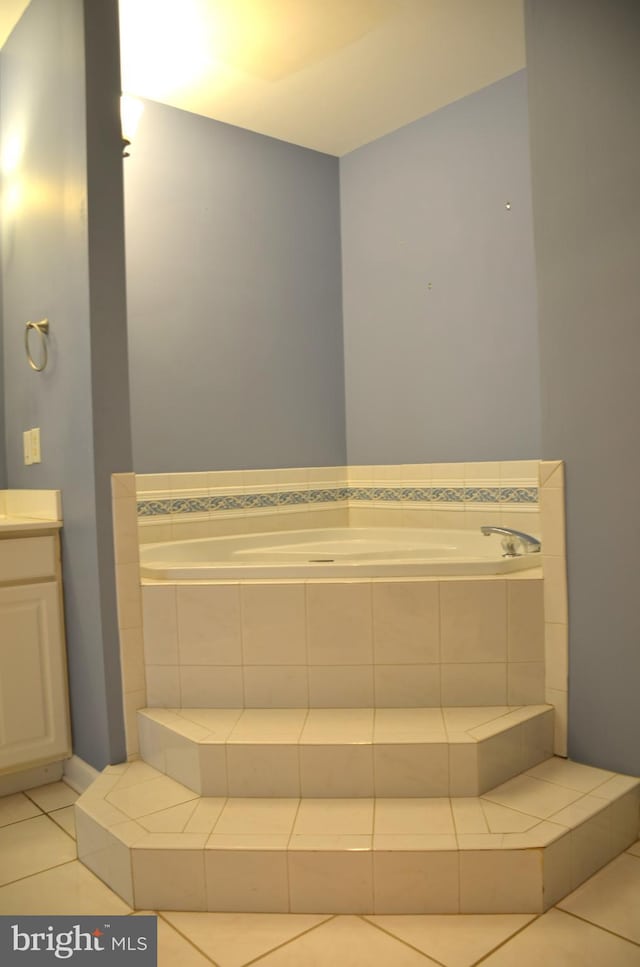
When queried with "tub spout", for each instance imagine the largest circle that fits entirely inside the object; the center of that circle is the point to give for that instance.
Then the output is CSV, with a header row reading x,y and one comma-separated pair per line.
x,y
514,542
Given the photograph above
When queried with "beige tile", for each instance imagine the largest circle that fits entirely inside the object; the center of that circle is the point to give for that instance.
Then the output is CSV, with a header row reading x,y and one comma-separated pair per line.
x,y
635,849
217,722
611,898
128,592
330,882
65,818
246,880
406,686
411,770
525,620
329,842
464,777
258,816
123,485
455,941
31,846
209,625
160,621
500,819
551,473
532,796
275,686
132,702
469,816
462,719
236,939
473,621
163,685
429,816
15,808
560,701
341,686
618,786
416,882
473,684
341,816
573,775
125,530
349,942
525,683
556,655
212,686
552,520
339,626
409,725
564,941
338,725
556,870
263,770
70,890
132,660
174,949
172,820
336,770
591,846
150,797
555,589
406,623
495,881
54,795
269,725
169,879
205,815
273,624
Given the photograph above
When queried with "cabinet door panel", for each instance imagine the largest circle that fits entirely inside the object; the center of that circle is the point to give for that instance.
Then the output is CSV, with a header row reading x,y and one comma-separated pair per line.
x,y
33,686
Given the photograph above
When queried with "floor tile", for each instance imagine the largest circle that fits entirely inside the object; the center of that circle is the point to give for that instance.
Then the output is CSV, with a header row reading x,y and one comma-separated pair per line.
x,y
457,941
635,849
337,725
31,846
463,719
54,795
150,796
611,898
70,890
349,942
16,807
173,949
66,819
235,939
560,940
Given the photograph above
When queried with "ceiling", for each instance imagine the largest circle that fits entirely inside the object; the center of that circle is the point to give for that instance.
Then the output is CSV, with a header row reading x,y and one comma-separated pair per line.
x,y
326,74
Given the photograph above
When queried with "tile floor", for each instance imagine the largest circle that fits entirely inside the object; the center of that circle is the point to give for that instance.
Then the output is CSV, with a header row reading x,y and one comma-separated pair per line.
x,y
597,925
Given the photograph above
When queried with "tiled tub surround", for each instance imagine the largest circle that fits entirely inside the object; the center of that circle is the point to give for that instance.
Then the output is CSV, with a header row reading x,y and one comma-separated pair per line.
x,y
517,849
345,643
476,479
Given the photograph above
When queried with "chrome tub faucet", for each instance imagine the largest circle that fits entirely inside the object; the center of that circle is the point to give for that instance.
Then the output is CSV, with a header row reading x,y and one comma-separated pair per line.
x,y
514,543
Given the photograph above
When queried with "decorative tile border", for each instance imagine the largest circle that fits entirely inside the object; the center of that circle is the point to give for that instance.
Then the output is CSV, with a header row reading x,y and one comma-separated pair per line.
x,y
206,504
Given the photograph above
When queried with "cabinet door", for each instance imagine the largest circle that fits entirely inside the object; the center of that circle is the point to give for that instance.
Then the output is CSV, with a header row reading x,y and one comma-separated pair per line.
x,y
33,682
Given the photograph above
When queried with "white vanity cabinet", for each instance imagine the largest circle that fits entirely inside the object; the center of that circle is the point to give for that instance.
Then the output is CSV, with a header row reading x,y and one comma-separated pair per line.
x,y
34,708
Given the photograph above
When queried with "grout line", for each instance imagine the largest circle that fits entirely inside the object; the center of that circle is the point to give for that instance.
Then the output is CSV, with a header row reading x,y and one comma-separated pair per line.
x,y
405,943
184,936
598,926
45,869
25,819
507,940
287,943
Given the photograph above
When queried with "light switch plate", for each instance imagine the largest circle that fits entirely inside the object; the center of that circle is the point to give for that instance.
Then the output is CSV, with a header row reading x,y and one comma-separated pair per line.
x,y
36,456
26,446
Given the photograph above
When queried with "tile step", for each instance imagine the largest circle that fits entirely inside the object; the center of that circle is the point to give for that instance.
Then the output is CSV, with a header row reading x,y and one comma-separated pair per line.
x,y
519,848
345,752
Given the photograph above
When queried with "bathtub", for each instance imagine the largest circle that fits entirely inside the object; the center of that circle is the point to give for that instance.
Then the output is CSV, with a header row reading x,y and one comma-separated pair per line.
x,y
341,552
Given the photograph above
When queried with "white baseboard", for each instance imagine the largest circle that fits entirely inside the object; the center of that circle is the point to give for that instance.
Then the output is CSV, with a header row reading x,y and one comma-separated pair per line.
x,y
79,774
30,778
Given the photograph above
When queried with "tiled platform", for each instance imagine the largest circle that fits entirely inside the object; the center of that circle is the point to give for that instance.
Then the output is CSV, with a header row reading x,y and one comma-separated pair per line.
x,y
345,752
518,848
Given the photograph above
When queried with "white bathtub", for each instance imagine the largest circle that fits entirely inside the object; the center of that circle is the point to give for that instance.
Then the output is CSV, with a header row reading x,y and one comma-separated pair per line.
x,y
342,552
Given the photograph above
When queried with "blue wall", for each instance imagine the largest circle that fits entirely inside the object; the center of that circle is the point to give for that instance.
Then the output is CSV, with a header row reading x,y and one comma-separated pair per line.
x,y
63,258
584,78
450,372
234,295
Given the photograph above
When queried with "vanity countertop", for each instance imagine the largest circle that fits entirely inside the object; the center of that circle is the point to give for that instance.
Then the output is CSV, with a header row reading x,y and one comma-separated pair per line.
x,y
14,524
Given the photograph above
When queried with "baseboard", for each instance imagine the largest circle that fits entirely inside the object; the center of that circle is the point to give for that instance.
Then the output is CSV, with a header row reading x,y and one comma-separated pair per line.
x,y
79,774
30,778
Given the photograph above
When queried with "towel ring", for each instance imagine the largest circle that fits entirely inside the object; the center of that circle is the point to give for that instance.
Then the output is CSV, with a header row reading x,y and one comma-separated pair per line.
x,y
43,329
